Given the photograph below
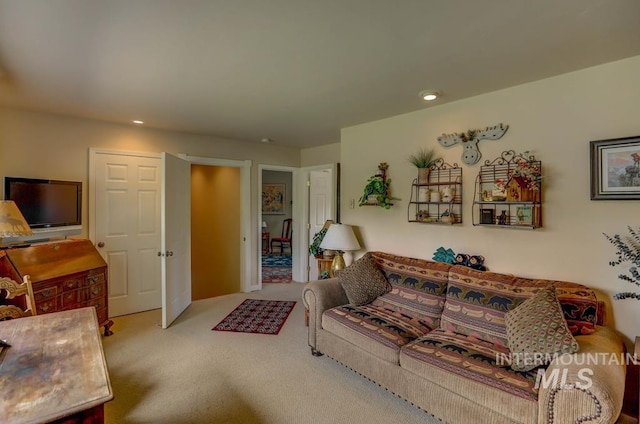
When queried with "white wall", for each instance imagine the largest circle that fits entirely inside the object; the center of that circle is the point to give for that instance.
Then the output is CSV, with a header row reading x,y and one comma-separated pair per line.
x,y
555,119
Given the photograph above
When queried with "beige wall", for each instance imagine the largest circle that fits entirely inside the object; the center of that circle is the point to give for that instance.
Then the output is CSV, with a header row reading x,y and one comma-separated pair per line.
x,y
215,231
555,119
320,155
49,146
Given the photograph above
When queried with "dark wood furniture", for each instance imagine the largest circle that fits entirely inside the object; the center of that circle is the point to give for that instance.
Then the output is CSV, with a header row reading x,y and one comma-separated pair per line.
x,y
65,275
285,239
55,370
265,243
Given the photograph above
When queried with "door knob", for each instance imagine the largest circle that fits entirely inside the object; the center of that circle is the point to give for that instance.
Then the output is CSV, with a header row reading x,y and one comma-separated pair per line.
x,y
169,253
100,244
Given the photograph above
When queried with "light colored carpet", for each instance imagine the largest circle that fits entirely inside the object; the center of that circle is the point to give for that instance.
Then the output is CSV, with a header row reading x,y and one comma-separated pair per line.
x,y
190,374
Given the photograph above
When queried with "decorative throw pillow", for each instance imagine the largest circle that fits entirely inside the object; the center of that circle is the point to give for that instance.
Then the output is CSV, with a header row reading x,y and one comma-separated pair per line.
x,y
537,330
363,281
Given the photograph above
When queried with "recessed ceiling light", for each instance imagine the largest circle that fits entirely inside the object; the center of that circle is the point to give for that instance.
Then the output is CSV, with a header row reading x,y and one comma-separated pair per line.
x,y
265,140
137,122
429,95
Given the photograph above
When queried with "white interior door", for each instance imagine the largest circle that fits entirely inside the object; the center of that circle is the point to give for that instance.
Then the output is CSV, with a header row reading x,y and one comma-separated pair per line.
x,y
125,216
320,208
175,251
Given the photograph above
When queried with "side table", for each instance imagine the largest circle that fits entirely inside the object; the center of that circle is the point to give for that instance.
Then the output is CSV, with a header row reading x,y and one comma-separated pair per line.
x,y
265,243
324,264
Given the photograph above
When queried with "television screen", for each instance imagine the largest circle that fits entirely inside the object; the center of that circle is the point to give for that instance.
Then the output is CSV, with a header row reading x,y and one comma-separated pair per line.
x,y
46,203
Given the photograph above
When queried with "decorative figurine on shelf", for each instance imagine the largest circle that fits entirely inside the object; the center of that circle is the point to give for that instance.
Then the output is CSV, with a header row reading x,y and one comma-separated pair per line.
x,y
447,217
470,152
503,219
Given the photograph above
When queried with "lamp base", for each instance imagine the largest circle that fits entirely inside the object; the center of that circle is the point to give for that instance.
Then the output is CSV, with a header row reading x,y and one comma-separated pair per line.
x,y
337,264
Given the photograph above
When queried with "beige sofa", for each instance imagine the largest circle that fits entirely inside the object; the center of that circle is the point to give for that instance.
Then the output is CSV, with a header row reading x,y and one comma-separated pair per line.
x,y
436,337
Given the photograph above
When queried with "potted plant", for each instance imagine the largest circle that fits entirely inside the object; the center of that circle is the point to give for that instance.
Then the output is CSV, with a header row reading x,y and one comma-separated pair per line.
x,y
377,189
423,160
627,250
314,248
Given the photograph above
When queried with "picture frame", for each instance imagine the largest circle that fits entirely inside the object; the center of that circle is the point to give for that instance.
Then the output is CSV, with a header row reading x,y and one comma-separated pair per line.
x,y
274,198
524,215
487,216
615,169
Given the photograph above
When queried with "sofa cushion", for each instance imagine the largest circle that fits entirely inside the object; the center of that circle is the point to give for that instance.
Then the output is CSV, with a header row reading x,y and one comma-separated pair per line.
x,y
362,281
466,358
477,302
418,287
373,329
537,330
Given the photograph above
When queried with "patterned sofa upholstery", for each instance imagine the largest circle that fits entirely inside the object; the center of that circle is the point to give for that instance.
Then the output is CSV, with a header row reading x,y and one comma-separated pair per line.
x,y
436,337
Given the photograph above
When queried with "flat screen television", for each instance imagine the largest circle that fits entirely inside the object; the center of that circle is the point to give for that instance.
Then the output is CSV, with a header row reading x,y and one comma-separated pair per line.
x,y
47,205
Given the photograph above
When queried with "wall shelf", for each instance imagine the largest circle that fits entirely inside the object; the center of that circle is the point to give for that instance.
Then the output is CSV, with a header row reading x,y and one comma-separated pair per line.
x,y
446,208
508,193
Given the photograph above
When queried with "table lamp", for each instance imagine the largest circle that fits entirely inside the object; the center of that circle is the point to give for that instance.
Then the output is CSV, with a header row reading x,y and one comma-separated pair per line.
x,y
340,238
264,226
12,223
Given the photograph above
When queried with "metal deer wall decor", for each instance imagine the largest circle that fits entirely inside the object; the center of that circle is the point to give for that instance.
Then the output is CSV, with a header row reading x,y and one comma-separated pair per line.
x,y
470,152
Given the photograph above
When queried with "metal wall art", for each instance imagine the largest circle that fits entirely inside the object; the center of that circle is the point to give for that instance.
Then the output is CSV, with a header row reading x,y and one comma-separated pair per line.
x,y
470,152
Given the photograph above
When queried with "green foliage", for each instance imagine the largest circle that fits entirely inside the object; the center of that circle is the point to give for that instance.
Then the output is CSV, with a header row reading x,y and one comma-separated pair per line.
x,y
377,186
314,248
627,250
424,158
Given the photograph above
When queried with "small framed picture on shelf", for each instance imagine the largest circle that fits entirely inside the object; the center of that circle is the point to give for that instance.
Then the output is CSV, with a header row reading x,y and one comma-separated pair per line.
x,y
487,216
524,215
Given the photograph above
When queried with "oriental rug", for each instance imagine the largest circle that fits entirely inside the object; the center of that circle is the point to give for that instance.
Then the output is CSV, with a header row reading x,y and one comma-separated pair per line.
x,y
276,269
257,316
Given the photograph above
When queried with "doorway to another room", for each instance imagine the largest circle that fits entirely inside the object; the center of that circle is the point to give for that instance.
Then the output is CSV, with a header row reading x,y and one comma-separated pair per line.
x,y
215,224
277,226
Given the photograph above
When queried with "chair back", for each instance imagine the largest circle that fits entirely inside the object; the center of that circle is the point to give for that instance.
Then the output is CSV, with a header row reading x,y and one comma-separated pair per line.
x,y
286,228
10,289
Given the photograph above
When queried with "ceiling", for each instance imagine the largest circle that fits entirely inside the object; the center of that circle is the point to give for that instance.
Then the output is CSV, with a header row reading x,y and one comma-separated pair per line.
x,y
294,71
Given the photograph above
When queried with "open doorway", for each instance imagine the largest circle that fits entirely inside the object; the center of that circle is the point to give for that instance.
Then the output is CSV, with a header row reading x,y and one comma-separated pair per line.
x,y
215,230
277,238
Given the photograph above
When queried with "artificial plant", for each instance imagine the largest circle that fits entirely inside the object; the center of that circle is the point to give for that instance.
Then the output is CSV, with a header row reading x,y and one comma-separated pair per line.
x,y
628,250
314,248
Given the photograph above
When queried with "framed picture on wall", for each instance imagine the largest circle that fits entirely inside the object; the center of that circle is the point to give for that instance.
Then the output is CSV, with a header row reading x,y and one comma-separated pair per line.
x,y
273,199
615,169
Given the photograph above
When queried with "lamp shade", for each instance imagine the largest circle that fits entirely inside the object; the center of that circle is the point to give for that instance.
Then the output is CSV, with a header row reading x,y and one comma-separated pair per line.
x,y
340,237
12,223
264,224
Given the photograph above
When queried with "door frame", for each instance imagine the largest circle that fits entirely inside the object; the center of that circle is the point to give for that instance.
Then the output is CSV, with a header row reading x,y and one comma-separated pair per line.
x,y
296,214
304,195
246,234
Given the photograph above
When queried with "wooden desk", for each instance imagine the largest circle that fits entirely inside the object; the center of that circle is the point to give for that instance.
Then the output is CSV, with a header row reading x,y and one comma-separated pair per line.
x,y
54,369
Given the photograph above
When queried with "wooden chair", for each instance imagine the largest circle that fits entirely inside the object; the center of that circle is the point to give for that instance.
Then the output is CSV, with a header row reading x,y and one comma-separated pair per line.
x,y
10,289
285,239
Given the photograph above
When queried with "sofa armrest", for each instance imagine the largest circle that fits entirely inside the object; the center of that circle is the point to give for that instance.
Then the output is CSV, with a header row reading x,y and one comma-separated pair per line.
x,y
319,296
588,385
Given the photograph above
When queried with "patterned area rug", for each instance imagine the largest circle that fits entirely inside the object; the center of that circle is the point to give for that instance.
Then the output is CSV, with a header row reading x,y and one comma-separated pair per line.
x,y
276,269
257,316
